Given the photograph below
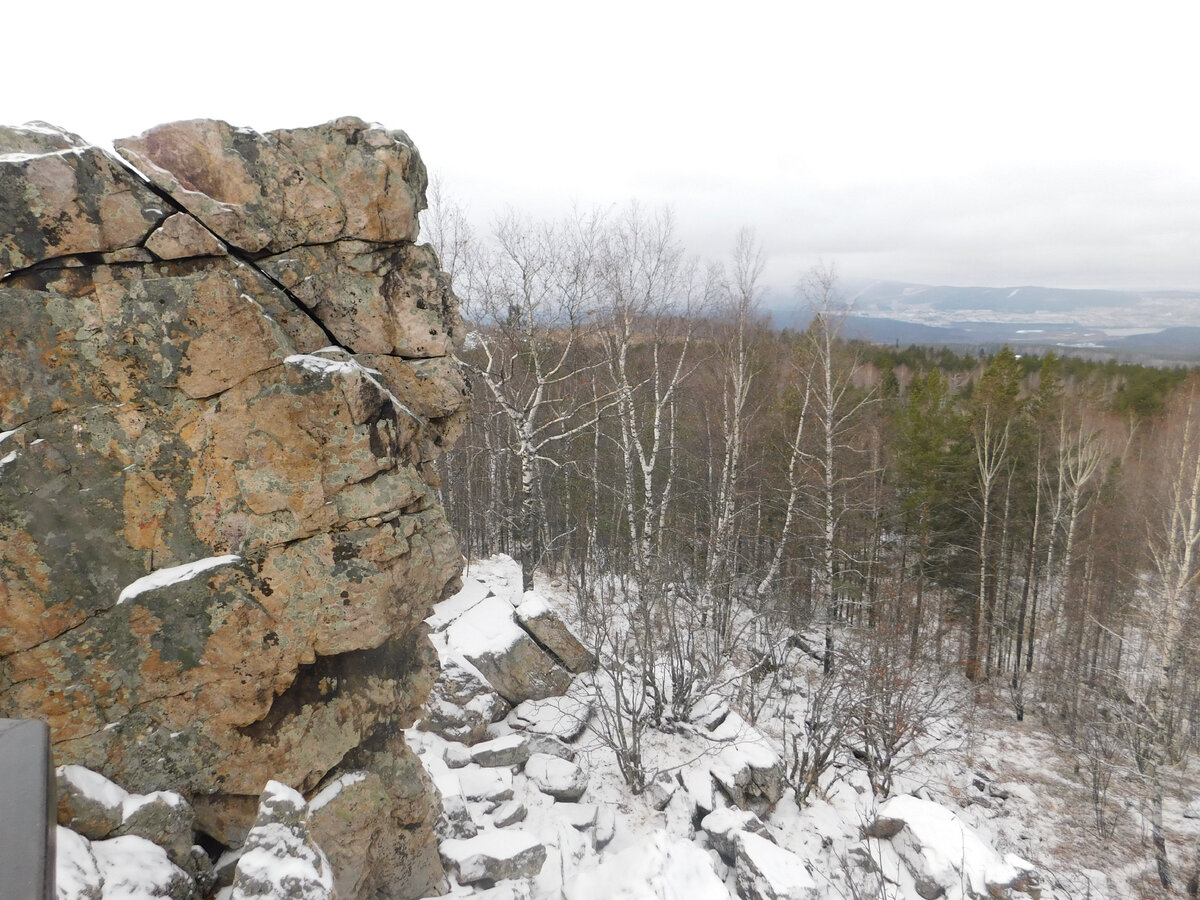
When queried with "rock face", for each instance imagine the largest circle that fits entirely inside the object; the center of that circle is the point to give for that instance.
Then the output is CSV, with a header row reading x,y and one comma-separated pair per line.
x,y
220,401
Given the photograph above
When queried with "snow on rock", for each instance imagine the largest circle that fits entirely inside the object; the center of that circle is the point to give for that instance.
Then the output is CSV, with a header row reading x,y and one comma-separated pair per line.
x,y
656,869
161,578
493,785
97,808
88,802
488,636
710,711
494,856
472,591
163,818
659,792
332,790
698,782
455,820
606,826
560,778
279,860
536,617
457,755
562,717
509,813
750,770
510,750
76,872
945,855
461,703
579,816
768,872
132,868
723,827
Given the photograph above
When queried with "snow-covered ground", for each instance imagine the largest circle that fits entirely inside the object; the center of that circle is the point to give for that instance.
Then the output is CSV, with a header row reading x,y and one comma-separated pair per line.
x,y
1001,805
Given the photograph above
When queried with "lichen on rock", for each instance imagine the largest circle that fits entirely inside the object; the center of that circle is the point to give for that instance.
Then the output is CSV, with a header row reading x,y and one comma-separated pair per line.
x,y
245,359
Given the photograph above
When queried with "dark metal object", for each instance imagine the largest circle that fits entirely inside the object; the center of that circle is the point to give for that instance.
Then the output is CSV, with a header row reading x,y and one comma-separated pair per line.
x,y
28,811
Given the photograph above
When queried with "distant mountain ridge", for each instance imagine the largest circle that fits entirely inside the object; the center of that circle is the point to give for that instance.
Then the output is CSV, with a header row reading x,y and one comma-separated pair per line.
x,y
1087,307
1153,326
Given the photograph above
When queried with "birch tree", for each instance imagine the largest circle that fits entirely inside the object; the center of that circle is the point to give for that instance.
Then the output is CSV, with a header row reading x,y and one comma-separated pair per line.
x,y
530,298
739,299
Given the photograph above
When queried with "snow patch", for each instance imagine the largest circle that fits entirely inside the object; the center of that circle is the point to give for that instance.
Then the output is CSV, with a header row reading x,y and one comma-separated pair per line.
x,y
173,575
331,792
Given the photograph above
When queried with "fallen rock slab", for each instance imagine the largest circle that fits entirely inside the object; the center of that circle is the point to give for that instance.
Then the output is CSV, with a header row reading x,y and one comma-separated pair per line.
x,y
494,785
768,872
494,856
510,750
509,813
536,617
512,662
563,718
560,778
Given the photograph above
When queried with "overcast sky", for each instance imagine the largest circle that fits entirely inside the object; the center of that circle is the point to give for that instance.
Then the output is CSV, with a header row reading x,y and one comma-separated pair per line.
x,y
993,143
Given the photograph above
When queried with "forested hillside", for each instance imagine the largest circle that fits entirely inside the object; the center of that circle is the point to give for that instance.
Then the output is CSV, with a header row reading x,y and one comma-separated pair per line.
x,y
742,494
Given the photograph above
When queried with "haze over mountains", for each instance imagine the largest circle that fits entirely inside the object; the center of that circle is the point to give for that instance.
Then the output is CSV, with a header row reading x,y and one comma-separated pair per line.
x,y
1146,325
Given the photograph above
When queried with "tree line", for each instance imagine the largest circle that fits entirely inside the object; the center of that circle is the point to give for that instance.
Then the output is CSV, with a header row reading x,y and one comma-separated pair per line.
x,y
742,493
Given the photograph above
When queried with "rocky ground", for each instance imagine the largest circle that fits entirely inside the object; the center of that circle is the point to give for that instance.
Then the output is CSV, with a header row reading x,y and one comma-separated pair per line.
x,y
534,806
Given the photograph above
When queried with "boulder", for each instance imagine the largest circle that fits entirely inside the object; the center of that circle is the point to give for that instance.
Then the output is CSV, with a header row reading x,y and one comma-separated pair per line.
x,y
580,816
376,823
457,755
88,803
943,853
563,718
509,813
494,856
96,808
493,785
544,743
510,750
725,826
271,192
606,827
163,818
131,866
749,771
768,872
279,860
512,662
560,778
461,704
659,792
456,820
548,629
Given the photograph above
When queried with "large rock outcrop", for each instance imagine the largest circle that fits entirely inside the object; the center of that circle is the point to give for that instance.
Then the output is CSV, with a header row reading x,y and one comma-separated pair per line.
x,y
222,388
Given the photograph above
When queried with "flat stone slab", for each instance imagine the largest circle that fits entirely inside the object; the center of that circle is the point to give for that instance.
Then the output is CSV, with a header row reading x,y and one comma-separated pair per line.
x,y
494,856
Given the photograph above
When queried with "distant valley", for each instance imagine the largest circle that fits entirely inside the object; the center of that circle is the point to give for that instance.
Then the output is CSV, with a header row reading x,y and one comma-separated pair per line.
x,y
1160,327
